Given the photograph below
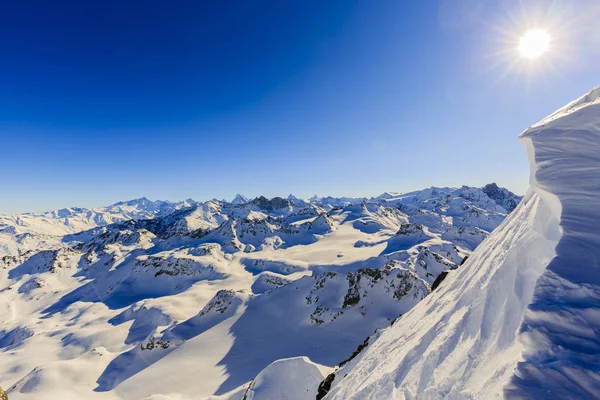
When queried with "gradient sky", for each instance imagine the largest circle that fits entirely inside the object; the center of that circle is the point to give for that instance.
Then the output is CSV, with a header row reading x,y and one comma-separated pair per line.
x,y
111,100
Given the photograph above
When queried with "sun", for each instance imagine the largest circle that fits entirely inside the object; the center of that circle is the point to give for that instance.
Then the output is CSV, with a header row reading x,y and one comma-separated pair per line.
x,y
534,43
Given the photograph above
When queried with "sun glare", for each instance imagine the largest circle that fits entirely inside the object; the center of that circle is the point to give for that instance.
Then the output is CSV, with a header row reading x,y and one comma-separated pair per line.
x,y
534,43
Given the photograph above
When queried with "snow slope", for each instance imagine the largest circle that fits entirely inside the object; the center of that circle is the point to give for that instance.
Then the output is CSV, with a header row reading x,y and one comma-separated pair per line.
x,y
521,318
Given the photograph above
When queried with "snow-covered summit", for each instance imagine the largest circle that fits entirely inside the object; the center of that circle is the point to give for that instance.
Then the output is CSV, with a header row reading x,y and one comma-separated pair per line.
x,y
387,196
239,199
296,200
521,318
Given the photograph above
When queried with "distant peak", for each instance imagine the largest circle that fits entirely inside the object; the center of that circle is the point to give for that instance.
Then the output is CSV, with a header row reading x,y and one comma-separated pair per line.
x,y
274,204
387,195
141,200
295,200
503,197
239,199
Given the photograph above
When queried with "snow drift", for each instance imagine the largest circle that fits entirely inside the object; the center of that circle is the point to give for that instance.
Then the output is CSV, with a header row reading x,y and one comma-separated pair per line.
x,y
521,318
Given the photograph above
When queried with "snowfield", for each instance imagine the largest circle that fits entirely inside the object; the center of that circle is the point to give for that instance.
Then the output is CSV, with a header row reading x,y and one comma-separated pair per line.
x,y
193,300
521,318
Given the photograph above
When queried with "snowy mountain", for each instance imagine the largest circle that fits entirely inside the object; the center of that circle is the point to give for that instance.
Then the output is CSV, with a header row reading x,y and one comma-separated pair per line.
x,y
501,196
239,199
196,299
329,202
71,220
520,318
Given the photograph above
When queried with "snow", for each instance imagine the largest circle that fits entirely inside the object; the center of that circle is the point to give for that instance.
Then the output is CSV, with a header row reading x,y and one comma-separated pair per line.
x,y
287,379
561,330
193,300
521,318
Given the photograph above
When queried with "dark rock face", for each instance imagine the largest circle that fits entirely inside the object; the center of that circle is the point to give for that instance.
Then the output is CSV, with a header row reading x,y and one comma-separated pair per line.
x,y
153,343
325,386
503,197
356,352
276,203
407,229
439,280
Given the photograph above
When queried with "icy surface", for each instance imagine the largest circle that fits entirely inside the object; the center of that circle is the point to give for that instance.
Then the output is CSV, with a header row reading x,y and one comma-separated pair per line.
x,y
521,318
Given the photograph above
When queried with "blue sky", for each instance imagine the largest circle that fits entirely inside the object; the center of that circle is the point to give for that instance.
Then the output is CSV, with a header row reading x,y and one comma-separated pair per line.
x,y
107,101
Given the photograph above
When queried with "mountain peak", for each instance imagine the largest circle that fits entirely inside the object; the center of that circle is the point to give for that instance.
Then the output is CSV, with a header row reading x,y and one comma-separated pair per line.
x,y
387,195
276,203
503,197
133,202
239,199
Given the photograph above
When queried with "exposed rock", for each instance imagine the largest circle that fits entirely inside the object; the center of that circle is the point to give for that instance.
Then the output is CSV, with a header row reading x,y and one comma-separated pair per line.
x,y
440,278
324,386
276,203
502,197
155,343
356,352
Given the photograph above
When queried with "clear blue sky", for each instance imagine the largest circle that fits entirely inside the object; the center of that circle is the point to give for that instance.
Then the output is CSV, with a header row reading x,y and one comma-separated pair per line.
x,y
110,100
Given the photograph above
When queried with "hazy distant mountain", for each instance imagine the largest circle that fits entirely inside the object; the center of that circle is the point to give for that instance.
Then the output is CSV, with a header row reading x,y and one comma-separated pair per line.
x,y
74,219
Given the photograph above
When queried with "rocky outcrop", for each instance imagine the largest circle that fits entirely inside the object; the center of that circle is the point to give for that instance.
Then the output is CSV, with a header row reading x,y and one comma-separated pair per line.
x,y
276,203
502,197
392,281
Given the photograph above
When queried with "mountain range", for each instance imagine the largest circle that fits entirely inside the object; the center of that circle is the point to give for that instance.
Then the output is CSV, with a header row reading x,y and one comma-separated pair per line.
x,y
143,298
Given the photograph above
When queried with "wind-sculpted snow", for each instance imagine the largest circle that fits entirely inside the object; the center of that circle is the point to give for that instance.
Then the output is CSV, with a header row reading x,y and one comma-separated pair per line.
x,y
521,318
189,300
560,333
